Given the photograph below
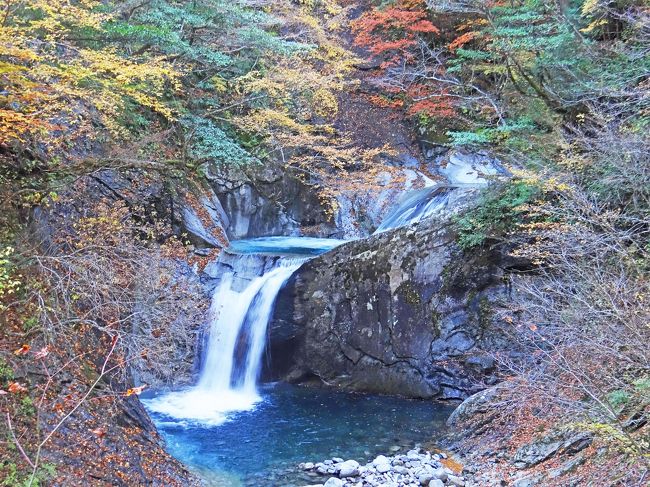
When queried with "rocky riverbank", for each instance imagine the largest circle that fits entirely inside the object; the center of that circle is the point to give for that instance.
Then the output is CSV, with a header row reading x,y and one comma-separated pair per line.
x,y
414,468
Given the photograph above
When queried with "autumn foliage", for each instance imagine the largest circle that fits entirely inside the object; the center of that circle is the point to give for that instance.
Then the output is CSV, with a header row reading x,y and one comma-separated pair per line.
x,y
392,31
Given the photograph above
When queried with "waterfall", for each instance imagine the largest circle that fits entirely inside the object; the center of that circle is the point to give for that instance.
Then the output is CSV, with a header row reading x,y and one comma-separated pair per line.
x,y
418,205
238,318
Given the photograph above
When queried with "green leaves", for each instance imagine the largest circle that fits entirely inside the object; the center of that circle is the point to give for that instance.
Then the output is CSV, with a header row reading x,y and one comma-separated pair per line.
x,y
209,142
499,211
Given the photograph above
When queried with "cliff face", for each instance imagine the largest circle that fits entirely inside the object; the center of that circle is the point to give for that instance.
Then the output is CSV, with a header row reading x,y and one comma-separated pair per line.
x,y
404,312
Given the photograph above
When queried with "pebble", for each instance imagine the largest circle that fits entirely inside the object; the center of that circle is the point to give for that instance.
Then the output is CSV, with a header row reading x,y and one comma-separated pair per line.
x,y
412,469
349,468
457,481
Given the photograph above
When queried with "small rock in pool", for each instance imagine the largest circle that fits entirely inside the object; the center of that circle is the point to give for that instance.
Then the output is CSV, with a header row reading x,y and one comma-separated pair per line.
x,y
333,482
337,460
395,448
307,466
436,483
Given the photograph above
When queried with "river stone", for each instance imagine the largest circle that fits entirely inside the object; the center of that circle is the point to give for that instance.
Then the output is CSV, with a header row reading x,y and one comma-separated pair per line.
x,y
349,468
308,466
381,459
334,482
383,467
436,483
425,475
440,474
457,481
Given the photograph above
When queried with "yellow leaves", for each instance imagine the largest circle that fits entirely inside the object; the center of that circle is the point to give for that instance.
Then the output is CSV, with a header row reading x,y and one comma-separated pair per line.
x,y
594,25
45,78
265,120
56,18
325,103
589,7
546,183
219,84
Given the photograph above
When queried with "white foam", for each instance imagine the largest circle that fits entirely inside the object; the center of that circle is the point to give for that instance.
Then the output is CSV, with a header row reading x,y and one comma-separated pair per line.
x,y
238,322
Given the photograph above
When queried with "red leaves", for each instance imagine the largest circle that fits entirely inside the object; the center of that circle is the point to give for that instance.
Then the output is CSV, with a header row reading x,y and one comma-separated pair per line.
x,y
392,29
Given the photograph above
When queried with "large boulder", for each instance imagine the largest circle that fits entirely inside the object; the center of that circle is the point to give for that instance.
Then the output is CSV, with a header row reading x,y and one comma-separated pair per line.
x,y
404,312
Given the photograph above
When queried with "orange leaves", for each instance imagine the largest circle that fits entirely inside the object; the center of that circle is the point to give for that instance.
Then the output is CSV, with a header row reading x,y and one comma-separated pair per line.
x,y
460,41
16,388
135,390
99,432
24,350
385,102
429,101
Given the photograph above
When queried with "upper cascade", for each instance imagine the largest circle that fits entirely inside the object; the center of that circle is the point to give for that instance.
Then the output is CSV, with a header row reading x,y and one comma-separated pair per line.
x,y
462,173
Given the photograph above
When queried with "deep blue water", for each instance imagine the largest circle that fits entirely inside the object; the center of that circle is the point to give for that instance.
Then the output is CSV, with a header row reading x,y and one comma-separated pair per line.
x,y
307,246
294,424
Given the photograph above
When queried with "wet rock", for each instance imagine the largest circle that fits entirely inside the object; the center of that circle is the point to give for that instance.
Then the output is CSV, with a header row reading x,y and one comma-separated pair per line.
x,y
265,199
334,482
436,483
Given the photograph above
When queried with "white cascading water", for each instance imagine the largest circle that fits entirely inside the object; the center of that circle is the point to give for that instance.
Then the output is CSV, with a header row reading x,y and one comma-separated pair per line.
x,y
418,205
227,382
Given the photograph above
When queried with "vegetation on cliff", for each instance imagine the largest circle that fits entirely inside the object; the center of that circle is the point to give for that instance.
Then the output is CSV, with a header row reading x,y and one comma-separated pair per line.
x,y
560,91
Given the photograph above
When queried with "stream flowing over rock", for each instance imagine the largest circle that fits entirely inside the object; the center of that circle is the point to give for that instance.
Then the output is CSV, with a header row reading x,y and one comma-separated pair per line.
x,y
404,312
